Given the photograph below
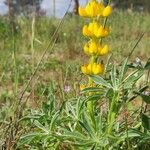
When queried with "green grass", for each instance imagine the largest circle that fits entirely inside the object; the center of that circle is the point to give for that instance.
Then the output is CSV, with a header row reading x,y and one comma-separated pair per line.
x,y
61,66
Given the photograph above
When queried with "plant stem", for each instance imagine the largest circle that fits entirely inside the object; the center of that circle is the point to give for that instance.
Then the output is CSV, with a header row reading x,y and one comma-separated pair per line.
x,y
32,51
113,110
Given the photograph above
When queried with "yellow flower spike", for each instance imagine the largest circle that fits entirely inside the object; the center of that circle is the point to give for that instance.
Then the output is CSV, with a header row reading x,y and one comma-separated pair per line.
x,y
82,12
107,11
104,50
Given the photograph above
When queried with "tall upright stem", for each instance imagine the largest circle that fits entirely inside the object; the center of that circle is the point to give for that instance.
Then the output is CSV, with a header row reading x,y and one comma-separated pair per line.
x,y
32,51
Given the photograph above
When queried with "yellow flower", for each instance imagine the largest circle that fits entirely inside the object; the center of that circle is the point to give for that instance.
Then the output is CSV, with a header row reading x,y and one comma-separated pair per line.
x,y
95,30
82,87
94,48
94,9
89,68
91,48
107,11
97,69
82,12
85,31
92,69
86,48
84,69
101,32
104,50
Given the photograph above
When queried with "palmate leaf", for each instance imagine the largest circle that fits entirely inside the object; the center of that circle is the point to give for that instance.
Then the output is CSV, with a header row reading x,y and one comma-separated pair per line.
x,y
28,138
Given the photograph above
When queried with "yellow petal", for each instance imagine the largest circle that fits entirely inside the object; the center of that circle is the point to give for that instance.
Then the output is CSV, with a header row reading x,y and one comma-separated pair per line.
x,y
104,50
101,68
107,11
85,31
82,12
93,47
84,69
86,48
95,69
89,69
82,87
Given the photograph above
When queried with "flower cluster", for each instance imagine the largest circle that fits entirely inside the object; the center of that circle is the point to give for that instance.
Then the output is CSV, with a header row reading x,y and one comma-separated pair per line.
x,y
94,9
95,31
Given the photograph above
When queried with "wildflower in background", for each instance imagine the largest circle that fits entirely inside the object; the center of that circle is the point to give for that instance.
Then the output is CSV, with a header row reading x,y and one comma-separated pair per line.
x,y
67,88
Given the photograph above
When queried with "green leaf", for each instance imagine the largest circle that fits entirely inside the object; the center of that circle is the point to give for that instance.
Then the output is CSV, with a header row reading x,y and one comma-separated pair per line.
x,y
28,138
53,120
40,126
110,93
123,69
137,92
147,65
87,122
74,135
145,98
100,81
113,77
145,121
132,133
131,79
94,97
92,89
